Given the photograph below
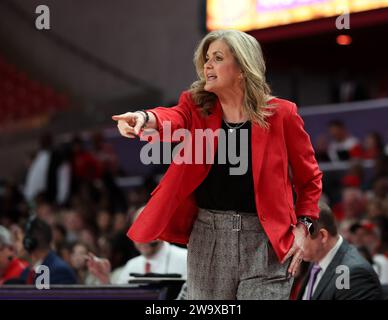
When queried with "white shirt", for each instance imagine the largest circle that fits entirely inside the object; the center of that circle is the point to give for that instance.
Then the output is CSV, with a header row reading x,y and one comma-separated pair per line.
x,y
63,182
37,175
348,144
324,263
380,264
169,259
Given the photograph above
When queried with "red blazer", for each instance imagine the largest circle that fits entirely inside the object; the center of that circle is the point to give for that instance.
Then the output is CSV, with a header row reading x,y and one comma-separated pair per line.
x,y
171,211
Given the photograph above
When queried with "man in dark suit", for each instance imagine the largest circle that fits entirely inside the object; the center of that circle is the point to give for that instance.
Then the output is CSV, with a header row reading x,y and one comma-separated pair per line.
x,y
337,271
37,242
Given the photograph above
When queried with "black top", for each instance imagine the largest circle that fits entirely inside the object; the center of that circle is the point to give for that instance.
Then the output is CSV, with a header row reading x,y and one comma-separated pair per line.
x,y
223,190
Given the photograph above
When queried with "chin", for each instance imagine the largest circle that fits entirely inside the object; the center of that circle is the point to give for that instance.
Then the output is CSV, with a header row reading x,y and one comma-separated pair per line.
x,y
210,88
207,88
308,259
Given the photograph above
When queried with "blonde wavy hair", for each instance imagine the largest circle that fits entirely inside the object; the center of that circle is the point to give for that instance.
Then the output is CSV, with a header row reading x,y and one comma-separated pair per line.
x,y
249,57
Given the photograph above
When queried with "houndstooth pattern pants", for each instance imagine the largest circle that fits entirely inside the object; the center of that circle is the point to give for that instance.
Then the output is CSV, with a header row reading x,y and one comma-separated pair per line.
x,y
230,257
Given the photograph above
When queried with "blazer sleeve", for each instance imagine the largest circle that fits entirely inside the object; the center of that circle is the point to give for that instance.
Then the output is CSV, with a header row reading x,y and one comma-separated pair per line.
x,y
173,118
306,176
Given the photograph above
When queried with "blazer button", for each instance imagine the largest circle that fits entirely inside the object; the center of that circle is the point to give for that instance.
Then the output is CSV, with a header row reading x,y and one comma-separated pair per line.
x,y
262,218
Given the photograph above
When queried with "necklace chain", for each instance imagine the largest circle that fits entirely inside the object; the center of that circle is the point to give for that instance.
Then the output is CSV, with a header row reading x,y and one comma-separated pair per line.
x,y
231,128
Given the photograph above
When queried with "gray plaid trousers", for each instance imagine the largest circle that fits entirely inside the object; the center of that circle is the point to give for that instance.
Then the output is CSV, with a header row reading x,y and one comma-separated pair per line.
x,y
230,257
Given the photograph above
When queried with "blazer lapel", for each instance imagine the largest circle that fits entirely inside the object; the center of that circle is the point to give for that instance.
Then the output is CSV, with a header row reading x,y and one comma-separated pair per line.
x,y
330,271
196,173
259,140
213,121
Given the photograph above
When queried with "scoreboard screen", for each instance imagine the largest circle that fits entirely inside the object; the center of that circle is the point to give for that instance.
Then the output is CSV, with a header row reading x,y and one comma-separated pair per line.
x,y
248,15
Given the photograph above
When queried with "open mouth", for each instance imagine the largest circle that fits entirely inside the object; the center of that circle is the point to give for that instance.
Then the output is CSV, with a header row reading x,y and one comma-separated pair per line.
x,y
211,78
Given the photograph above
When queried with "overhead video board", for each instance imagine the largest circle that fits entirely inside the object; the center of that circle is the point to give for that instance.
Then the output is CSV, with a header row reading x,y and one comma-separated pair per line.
x,y
260,14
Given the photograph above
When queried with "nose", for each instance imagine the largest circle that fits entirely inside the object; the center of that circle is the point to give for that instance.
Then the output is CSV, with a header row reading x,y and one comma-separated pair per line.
x,y
208,64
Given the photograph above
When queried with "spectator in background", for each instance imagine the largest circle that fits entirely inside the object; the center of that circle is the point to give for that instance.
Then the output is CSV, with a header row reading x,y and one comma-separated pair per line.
x,y
59,175
12,204
377,208
321,146
123,250
17,234
37,242
59,236
104,222
373,146
44,209
104,153
37,175
365,234
60,245
369,234
354,177
344,146
327,250
120,222
85,167
380,188
378,198
107,158
352,207
348,88
136,198
91,239
78,258
381,167
64,252
74,224
155,257
11,267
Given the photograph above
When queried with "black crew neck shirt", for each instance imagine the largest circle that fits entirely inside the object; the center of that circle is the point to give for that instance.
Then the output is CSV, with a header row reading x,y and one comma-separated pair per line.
x,y
222,190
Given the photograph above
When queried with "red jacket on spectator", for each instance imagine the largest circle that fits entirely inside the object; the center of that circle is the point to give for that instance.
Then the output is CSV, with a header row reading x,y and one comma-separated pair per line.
x,y
14,270
86,167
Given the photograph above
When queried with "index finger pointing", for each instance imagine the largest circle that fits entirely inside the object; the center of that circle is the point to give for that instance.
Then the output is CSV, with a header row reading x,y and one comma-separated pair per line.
x,y
119,117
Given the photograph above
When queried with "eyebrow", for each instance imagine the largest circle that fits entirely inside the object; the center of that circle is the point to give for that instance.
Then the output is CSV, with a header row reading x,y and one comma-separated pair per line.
x,y
215,52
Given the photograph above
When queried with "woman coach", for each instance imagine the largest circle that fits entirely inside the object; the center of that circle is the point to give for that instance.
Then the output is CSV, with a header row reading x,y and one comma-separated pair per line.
x,y
244,234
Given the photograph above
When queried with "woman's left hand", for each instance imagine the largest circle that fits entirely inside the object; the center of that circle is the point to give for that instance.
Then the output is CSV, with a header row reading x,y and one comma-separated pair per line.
x,y
296,251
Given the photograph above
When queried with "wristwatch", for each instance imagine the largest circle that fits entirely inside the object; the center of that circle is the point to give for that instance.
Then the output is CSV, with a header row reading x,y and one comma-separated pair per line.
x,y
145,116
307,222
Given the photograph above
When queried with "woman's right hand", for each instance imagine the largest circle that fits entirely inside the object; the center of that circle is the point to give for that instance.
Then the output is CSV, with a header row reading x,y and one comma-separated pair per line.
x,y
129,123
